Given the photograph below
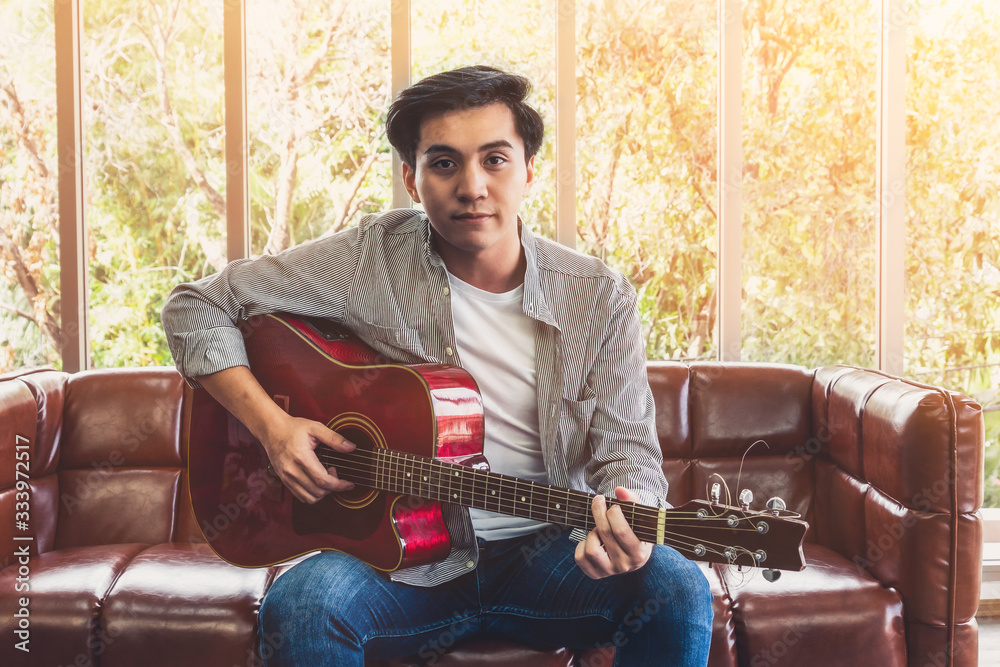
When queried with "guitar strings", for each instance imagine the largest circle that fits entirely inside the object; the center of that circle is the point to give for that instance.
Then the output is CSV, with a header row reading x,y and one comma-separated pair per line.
x,y
435,480
471,485
378,468
677,540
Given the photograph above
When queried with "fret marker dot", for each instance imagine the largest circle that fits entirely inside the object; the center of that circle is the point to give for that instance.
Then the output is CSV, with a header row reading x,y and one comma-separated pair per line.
x,y
522,499
455,496
557,505
407,474
456,473
493,492
425,479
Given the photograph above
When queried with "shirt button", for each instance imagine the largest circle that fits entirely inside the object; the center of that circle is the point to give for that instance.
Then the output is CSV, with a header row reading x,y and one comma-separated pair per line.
x,y
446,291
447,351
470,564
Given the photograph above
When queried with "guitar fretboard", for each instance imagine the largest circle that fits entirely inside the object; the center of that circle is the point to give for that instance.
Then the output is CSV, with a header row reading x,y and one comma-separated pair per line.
x,y
399,472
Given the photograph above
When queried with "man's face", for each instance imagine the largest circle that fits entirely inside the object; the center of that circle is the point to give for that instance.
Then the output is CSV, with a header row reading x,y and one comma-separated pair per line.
x,y
470,175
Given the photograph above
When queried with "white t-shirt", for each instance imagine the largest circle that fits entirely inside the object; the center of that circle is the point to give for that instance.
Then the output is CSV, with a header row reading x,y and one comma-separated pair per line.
x,y
496,344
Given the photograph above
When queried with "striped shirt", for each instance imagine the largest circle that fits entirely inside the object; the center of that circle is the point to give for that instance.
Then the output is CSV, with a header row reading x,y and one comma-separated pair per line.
x,y
384,280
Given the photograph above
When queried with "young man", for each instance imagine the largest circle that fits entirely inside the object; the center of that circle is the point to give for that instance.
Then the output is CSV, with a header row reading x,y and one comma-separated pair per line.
x,y
553,340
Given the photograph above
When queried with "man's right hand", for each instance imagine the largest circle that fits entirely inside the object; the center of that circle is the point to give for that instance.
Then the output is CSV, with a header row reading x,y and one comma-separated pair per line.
x,y
290,442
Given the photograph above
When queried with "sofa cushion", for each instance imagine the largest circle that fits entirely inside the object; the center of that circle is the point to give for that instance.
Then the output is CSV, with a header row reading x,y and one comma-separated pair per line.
x,y
828,614
180,604
732,405
99,506
66,590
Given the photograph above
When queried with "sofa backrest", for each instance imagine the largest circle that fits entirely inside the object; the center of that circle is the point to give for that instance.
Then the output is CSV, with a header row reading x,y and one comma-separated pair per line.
x,y
108,456
106,463
708,415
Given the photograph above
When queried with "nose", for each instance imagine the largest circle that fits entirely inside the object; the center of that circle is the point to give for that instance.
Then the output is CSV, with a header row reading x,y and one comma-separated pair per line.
x,y
471,184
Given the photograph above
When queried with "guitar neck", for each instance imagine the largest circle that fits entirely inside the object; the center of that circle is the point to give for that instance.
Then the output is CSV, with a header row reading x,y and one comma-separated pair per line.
x,y
398,472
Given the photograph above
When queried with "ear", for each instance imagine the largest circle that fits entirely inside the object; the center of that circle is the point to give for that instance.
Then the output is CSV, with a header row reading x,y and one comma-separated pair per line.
x,y
409,181
530,167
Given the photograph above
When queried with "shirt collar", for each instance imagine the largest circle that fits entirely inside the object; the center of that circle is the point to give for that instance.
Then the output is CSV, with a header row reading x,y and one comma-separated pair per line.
x,y
534,303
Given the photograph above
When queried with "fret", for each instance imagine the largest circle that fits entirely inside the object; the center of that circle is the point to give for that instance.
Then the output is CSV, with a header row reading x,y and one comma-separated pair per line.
x,y
561,506
531,508
539,508
440,483
423,481
466,491
380,475
548,504
492,502
508,495
578,510
523,497
407,481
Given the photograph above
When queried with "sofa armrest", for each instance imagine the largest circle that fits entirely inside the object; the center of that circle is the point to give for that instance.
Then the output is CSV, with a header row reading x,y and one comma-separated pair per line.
x,y
899,486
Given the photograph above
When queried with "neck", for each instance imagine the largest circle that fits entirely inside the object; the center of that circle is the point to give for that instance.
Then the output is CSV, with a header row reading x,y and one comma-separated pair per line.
x,y
496,269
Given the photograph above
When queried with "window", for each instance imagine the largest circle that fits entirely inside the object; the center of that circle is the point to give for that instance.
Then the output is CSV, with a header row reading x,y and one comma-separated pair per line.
x,y
317,90
809,171
953,207
828,150
29,218
154,170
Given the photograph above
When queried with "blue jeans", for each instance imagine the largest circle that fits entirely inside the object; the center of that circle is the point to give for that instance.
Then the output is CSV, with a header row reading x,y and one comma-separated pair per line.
x,y
332,609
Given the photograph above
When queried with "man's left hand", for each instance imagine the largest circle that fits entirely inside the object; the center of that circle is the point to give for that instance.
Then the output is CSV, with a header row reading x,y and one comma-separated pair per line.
x,y
611,547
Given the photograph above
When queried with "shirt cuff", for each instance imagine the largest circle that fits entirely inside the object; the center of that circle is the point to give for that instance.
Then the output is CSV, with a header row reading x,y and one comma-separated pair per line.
x,y
209,351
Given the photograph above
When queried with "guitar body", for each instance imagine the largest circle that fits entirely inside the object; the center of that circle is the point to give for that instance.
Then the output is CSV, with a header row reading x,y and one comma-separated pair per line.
x,y
319,371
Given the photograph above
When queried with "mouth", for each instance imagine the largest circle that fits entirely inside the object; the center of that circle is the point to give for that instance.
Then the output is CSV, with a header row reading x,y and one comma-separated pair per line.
x,y
473,216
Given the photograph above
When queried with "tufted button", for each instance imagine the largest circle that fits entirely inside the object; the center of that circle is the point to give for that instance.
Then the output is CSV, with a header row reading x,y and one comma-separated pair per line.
x,y
470,564
447,291
448,351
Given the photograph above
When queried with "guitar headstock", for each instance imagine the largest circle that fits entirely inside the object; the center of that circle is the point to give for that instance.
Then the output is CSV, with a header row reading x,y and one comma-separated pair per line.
x,y
717,533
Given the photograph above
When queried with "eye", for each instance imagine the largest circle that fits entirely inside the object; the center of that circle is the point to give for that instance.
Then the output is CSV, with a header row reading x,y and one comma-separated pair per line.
x,y
443,163
496,160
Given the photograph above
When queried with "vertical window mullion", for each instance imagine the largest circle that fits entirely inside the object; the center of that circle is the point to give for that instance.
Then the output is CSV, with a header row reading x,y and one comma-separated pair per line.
x,y
730,176
237,139
890,186
566,231
401,68
72,225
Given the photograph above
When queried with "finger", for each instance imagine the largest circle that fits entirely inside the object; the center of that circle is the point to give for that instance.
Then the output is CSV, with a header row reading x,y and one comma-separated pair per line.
x,y
624,537
591,557
602,524
331,438
638,550
308,479
322,475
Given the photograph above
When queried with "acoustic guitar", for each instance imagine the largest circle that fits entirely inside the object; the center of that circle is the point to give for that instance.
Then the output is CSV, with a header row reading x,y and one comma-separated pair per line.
x,y
419,431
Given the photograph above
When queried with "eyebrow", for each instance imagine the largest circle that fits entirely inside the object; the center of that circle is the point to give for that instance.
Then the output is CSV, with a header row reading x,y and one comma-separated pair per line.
x,y
445,148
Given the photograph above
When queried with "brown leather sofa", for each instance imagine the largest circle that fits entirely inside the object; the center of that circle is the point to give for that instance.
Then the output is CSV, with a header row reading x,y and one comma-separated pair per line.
x,y
887,472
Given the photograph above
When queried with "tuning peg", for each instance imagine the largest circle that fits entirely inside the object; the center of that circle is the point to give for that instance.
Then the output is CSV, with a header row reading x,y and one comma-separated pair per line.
x,y
716,495
776,505
746,497
772,575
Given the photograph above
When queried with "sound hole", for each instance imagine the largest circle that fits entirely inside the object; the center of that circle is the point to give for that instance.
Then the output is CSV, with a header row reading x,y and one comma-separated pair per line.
x,y
364,441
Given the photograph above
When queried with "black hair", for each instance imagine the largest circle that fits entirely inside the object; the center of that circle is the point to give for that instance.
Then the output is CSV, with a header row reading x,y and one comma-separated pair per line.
x,y
457,90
